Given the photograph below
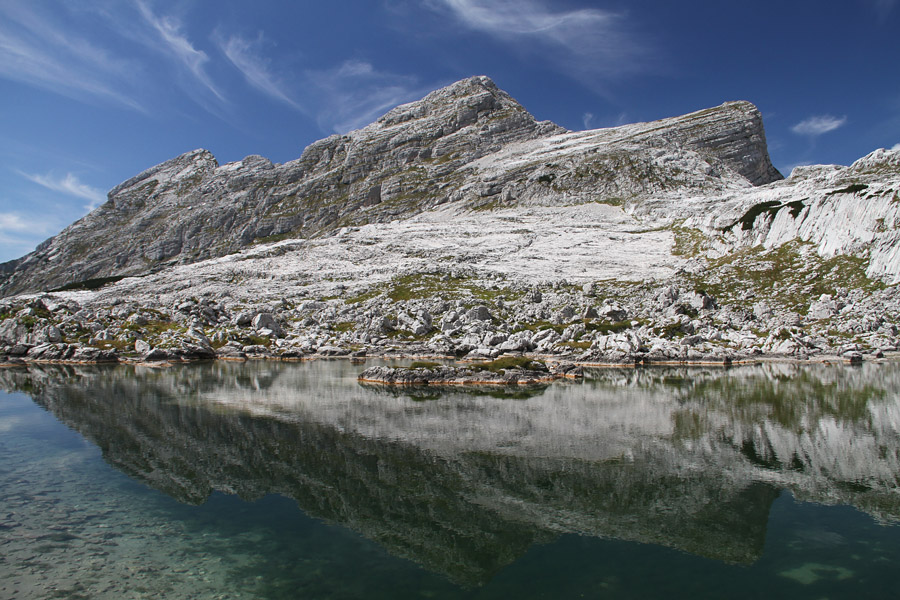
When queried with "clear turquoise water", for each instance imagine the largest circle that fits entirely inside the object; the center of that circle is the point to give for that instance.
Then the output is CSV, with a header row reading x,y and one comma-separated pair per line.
x,y
265,480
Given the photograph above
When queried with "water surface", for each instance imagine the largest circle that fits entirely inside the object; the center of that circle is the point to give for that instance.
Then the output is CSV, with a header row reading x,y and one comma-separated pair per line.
x,y
276,480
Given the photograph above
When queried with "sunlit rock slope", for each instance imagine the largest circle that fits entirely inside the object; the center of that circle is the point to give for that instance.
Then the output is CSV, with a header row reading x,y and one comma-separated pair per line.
x,y
666,241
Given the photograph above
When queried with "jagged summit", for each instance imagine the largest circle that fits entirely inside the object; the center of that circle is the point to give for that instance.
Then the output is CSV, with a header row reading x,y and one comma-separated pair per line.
x,y
468,145
467,97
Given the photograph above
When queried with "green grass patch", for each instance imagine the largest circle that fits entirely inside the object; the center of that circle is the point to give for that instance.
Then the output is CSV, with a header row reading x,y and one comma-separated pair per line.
x,y
672,330
41,312
150,328
510,362
424,364
607,327
119,345
577,345
415,286
344,326
256,340
372,292
789,276
28,322
689,243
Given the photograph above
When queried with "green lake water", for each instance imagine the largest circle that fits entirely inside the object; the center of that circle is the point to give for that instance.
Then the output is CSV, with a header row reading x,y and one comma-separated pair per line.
x,y
285,480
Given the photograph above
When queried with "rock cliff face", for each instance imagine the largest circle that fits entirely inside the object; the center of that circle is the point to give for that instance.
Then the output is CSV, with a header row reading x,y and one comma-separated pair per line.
x,y
469,143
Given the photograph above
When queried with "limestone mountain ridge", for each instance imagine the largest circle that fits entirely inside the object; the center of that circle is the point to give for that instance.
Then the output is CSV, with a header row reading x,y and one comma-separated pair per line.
x,y
454,145
459,225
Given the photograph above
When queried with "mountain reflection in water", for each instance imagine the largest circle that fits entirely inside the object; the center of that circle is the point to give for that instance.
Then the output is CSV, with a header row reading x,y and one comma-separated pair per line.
x,y
465,482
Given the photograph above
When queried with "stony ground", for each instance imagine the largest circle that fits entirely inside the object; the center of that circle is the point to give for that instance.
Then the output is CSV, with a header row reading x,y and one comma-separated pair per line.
x,y
588,283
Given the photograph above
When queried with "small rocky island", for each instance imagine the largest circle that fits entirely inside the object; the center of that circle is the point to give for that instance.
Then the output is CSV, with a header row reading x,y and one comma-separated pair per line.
x,y
503,371
460,226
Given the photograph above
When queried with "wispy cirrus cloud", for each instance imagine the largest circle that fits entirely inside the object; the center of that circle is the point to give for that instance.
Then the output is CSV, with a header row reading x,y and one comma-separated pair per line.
x,y
178,47
38,49
355,93
19,233
247,57
103,53
883,8
342,97
14,222
588,119
590,44
818,125
69,185
142,56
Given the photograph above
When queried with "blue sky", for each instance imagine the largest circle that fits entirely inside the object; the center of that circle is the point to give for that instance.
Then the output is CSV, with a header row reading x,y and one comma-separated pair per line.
x,y
94,91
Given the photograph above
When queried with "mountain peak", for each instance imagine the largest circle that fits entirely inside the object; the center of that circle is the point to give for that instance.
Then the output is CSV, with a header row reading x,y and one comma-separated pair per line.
x,y
457,105
417,156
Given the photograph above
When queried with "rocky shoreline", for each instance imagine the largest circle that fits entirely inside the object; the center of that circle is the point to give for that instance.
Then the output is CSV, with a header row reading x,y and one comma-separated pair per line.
x,y
581,325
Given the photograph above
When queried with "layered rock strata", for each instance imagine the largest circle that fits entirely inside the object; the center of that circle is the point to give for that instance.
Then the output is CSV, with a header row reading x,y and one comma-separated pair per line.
x,y
447,147
460,226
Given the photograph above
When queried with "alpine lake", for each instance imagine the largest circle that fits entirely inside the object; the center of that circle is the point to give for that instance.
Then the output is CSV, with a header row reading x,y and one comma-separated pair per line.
x,y
293,480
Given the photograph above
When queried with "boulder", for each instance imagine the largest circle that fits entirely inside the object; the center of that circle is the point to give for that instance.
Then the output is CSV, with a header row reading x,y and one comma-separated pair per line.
x,y
265,320
479,313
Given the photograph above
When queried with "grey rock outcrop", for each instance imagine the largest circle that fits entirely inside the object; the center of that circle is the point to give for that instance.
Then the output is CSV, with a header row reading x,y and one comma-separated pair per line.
x,y
454,145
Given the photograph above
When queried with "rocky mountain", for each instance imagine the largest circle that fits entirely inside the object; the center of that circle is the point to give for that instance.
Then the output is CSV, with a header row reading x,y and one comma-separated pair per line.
x,y
459,225
469,143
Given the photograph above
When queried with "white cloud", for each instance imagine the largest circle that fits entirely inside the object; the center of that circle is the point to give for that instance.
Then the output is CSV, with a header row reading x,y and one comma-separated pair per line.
x,y
896,147
14,222
103,52
19,234
883,7
588,43
342,97
176,45
246,56
815,126
354,94
592,121
70,185
35,49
